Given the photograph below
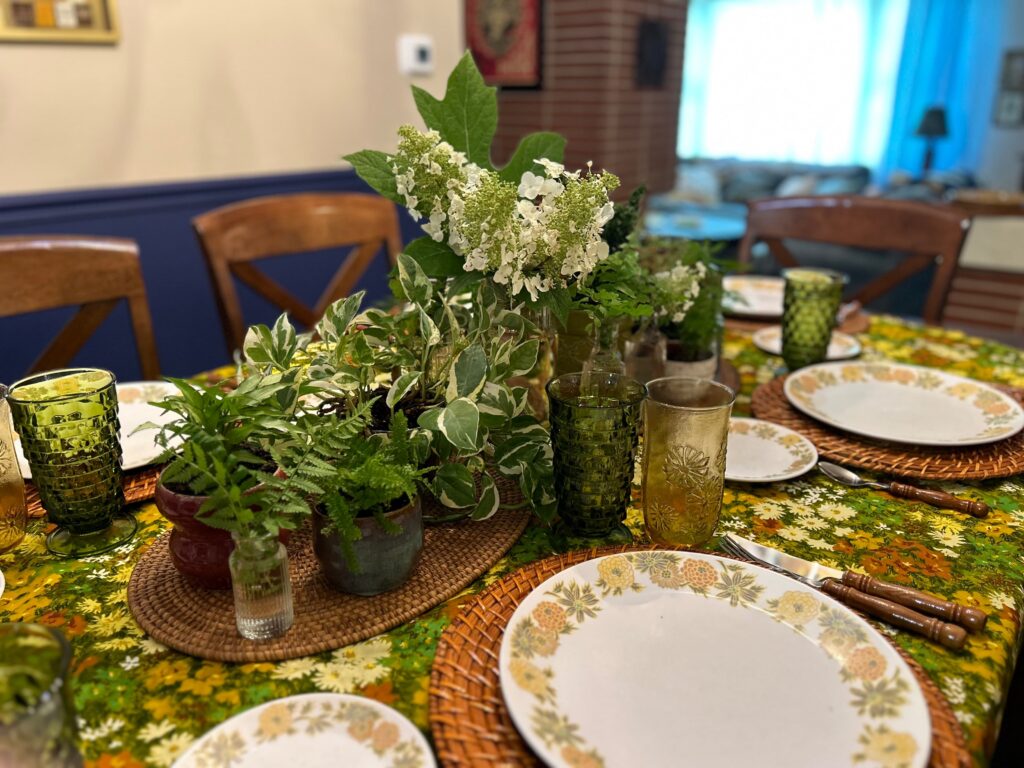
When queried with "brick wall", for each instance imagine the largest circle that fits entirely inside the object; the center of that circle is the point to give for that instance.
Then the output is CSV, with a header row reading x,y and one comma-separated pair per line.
x,y
589,92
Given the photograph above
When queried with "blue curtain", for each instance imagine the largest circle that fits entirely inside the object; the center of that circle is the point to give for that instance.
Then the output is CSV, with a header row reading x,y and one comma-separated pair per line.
x,y
805,80
950,57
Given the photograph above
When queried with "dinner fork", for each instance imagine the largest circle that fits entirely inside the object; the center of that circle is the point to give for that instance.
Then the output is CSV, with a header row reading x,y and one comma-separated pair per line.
x,y
945,634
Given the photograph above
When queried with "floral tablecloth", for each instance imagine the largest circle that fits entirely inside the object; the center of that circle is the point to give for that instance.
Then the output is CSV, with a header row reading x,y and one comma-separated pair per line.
x,y
140,703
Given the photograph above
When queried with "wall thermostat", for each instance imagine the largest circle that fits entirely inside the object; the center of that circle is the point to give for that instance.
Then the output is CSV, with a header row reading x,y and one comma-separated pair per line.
x,y
416,54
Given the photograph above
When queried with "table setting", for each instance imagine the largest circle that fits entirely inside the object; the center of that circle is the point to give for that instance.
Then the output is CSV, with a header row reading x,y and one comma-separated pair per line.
x,y
564,515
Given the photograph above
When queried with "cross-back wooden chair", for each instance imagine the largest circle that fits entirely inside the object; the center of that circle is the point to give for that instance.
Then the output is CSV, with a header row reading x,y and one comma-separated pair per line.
x,y
236,235
928,234
40,272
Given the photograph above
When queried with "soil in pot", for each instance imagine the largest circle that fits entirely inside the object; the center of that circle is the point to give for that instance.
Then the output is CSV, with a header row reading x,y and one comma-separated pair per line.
x,y
383,561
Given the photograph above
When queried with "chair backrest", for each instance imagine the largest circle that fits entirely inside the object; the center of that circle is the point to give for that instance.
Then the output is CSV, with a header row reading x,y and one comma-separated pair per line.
x,y
234,236
929,234
40,272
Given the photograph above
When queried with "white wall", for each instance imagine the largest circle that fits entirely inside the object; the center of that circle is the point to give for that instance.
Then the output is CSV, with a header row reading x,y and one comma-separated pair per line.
x,y
1002,159
208,88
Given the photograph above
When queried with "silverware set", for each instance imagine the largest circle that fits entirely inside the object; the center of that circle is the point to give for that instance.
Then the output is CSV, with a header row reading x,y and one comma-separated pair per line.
x,y
941,621
937,499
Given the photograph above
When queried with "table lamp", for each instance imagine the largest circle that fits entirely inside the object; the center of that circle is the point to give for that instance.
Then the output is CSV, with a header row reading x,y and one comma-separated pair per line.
x,y
931,127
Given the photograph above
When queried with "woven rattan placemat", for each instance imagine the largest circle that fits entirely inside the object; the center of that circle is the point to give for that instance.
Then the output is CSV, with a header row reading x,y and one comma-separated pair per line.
x,y
979,462
139,485
201,622
468,717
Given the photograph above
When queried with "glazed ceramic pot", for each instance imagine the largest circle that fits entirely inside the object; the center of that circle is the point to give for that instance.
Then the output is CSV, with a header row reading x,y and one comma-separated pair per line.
x,y
383,561
199,552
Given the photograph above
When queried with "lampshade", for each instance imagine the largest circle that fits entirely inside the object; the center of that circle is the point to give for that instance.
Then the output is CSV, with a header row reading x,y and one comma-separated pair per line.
x,y
933,123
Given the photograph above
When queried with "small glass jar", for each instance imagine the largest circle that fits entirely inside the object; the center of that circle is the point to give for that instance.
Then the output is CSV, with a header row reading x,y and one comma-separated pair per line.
x,y
261,585
606,354
646,354
13,515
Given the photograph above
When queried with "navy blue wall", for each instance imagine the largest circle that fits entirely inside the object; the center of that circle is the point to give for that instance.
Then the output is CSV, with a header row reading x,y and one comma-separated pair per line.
x,y
158,217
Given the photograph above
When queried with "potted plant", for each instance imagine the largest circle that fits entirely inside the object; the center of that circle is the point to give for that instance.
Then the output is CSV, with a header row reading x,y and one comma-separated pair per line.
x,y
367,520
218,453
445,362
688,304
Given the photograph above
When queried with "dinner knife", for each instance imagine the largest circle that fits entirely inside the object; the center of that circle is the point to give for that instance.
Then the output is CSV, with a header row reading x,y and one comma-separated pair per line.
x,y
839,583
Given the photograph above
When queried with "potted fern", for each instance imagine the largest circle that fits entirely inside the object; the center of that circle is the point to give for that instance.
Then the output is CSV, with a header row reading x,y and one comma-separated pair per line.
x,y
367,519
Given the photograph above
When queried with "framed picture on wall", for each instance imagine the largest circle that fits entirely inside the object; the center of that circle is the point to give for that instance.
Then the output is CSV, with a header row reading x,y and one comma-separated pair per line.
x,y
59,21
1010,99
504,38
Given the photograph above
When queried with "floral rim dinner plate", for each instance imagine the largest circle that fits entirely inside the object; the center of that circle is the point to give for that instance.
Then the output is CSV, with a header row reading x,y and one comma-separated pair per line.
x,y
314,730
841,347
904,403
664,658
133,409
755,296
762,452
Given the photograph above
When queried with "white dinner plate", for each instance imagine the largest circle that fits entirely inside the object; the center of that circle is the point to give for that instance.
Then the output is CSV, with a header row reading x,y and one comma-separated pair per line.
x,y
753,295
762,452
841,347
133,409
313,730
670,658
904,403
3,583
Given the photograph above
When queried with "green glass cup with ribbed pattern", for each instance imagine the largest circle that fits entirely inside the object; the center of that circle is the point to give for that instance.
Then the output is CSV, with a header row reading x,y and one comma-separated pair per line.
x,y
810,304
68,425
595,419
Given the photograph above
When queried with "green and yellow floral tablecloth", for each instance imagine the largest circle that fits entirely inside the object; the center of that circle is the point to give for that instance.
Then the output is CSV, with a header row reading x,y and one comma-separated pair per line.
x,y
142,704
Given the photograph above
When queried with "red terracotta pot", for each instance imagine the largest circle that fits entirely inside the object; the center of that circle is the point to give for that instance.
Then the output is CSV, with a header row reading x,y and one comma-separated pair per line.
x,y
199,551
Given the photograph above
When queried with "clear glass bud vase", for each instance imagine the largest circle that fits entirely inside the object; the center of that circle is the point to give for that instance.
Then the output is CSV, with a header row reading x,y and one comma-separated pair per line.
x,y
261,585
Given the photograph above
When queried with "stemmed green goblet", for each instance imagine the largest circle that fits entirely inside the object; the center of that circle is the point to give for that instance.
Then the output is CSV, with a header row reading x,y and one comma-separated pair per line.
x,y
67,421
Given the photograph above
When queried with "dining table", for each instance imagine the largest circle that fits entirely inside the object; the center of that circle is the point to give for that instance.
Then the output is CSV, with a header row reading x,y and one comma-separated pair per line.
x,y
140,703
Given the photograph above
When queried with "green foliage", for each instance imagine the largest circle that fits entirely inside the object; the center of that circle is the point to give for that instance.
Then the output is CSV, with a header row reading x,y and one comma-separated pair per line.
x,y
700,329
624,223
228,448
362,476
449,353
374,168
467,117
532,146
618,287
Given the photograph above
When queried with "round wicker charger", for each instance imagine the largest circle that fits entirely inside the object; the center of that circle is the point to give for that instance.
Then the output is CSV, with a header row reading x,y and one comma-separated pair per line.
x,y
468,717
201,622
979,462
138,486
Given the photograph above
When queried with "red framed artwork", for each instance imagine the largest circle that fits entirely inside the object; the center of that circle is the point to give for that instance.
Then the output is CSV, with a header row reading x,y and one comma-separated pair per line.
x,y
504,38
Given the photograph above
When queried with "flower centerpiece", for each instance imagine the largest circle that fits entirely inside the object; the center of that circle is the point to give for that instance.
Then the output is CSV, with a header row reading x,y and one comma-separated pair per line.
x,y
688,304
532,227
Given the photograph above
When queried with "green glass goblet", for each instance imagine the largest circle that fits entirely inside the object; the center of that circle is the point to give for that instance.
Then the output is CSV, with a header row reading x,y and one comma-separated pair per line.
x,y
68,425
595,419
810,304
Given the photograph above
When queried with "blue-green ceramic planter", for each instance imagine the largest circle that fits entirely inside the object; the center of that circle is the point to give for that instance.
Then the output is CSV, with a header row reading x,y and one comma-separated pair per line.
x,y
385,561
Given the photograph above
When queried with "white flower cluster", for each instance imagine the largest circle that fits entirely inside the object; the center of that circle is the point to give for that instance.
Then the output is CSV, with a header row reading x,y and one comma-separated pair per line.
x,y
543,232
677,289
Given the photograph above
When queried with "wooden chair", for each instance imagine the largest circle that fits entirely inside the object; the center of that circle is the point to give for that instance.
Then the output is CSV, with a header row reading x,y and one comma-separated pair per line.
x,y
234,236
928,234
39,273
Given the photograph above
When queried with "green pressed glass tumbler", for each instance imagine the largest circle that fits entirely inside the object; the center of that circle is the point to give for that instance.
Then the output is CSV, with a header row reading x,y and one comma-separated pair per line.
x,y
595,419
809,309
37,716
68,425
686,433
